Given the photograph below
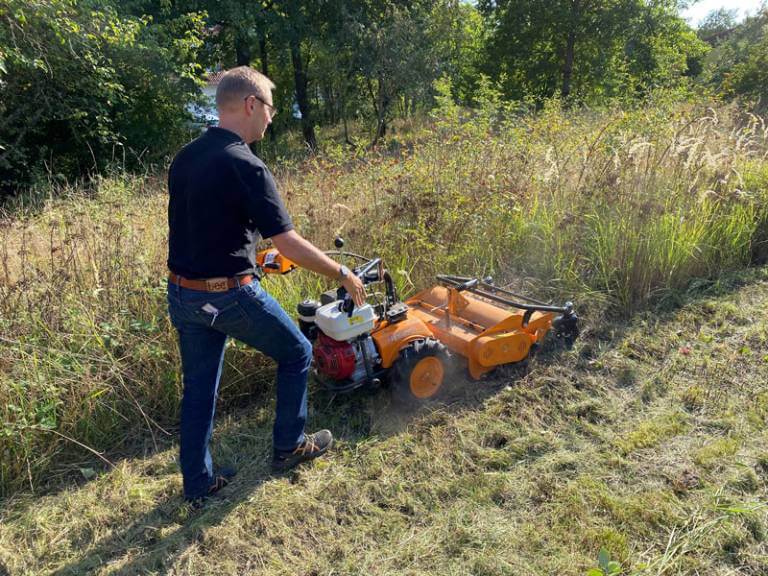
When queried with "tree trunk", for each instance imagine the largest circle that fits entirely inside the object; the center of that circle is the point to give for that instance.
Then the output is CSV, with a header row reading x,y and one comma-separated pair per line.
x,y
382,109
302,98
265,71
346,129
568,66
376,103
329,97
343,114
242,51
570,50
264,55
381,126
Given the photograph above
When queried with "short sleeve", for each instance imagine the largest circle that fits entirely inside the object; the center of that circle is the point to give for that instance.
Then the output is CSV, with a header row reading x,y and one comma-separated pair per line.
x,y
263,203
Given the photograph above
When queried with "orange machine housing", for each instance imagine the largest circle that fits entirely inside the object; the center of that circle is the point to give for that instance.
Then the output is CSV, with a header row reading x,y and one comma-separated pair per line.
x,y
390,339
485,333
272,262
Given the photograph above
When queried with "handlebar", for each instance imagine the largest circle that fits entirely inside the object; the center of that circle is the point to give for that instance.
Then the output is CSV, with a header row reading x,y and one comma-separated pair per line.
x,y
468,285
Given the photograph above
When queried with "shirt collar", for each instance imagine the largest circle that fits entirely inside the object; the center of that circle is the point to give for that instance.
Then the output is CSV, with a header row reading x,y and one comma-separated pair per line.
x,y
223,133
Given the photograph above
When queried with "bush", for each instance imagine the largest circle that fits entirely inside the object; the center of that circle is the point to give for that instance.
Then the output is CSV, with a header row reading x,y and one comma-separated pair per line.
x,y
81,86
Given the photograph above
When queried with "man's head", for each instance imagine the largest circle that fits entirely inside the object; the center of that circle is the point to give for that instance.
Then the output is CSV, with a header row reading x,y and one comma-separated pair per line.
x,y
244,100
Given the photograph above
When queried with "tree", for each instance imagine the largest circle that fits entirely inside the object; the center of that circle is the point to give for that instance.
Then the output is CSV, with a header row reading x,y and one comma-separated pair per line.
x,y
458,33
80,84
589,49
749,74
342,58
717,25
296,20
251,27
737,64
390,54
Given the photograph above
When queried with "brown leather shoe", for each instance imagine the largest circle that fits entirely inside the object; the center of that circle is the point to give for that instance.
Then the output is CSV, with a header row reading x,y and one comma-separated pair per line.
x,y
312,446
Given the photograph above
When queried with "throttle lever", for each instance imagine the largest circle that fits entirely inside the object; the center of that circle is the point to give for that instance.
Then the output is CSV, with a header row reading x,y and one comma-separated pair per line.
x,y
347,305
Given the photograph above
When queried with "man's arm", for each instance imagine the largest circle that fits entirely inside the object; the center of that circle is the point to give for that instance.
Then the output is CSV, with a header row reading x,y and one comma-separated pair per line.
x,y
301,251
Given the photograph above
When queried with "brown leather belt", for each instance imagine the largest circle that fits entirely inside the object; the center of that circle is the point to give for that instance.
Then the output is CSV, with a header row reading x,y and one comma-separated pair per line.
x,y
210,284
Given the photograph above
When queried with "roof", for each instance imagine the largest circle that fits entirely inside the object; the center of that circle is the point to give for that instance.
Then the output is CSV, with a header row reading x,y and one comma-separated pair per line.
x,y
213,78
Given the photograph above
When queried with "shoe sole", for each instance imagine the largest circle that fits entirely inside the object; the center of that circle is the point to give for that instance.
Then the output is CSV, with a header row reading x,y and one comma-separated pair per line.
x,y
287,464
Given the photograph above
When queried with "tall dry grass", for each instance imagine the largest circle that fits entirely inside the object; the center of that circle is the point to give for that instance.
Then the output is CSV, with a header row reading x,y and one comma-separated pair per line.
x,y
613,209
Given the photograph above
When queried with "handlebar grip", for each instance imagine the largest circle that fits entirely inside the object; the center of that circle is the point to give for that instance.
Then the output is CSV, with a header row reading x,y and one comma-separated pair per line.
x,y
469,284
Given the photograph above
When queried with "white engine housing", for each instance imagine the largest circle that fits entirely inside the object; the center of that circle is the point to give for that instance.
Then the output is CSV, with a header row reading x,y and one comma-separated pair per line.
x,y
334,322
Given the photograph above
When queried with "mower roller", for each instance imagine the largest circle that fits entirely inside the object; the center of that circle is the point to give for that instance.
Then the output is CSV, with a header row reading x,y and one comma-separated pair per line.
x,y
412,345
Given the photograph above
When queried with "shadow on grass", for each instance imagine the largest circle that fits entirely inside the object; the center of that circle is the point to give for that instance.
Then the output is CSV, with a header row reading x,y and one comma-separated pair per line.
x,y
155,540
159,551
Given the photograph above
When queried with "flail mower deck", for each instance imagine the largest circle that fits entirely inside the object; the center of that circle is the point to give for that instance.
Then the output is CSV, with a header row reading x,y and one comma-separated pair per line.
x,y
410,345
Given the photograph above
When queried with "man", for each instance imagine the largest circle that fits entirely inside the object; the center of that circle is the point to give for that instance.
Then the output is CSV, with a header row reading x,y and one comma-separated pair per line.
x,y
223,199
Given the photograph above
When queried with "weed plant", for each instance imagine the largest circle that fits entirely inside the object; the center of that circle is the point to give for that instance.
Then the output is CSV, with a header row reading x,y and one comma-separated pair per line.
x,y
615,210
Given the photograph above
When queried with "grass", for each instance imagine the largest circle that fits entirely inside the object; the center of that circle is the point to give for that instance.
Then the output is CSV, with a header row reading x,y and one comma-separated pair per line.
x,y
517,475
636,442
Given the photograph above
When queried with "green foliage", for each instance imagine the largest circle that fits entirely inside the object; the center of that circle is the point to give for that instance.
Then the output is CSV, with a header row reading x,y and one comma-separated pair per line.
x,y
391,52
123,73
81,86
606,566
750,77
459,35
588,49
716,26
738,61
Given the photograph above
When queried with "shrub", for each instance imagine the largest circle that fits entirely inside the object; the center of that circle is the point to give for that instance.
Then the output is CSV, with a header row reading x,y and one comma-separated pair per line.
x,y
81,86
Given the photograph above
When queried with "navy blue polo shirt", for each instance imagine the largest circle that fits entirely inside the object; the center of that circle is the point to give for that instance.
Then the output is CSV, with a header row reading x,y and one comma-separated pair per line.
x,y
223,200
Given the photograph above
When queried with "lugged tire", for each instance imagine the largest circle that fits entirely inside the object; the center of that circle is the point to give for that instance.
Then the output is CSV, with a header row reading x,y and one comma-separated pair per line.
x,y
419,372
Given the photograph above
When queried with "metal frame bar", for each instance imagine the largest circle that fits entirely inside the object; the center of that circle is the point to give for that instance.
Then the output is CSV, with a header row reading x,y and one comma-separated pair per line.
x,y
487,291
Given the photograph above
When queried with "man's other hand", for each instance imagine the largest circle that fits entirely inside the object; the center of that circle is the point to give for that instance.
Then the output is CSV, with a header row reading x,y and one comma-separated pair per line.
x,y
355,288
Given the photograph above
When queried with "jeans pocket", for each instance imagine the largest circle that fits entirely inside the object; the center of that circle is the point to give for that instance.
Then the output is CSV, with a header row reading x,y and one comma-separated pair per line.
x,y
229,316
254,290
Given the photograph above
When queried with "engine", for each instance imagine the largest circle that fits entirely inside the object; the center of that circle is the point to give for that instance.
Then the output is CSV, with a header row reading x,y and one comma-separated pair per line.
x,y
343,358
340,360
334,359
341,342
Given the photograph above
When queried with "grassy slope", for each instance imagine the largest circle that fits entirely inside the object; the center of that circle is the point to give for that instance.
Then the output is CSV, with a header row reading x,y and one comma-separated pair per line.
x,y
614,209
648,440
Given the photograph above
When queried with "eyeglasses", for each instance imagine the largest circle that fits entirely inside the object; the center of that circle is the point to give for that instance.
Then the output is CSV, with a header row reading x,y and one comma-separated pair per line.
x,y
270,107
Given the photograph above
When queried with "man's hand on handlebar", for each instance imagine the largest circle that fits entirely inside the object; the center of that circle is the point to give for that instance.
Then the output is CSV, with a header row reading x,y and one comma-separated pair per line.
x,y
303,253
355,288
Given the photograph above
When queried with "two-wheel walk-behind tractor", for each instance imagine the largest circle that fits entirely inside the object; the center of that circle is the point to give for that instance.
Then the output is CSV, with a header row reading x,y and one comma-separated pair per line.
x,y
410,345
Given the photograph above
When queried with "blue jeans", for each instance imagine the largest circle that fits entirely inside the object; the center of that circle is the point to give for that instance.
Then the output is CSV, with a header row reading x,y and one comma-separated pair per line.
x,y
204,320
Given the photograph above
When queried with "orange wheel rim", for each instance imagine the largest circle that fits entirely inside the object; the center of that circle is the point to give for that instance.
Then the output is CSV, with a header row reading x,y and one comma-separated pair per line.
x,y
426,377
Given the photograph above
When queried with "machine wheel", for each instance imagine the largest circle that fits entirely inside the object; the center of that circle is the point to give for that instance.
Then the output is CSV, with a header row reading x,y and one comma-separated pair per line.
x,y
419,371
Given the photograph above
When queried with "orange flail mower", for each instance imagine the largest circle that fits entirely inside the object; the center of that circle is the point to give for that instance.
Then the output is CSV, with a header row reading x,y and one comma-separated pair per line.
x,y
411,346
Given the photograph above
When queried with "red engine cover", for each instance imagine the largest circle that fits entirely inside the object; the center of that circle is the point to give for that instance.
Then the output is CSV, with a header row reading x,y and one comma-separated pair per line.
x,y
333,358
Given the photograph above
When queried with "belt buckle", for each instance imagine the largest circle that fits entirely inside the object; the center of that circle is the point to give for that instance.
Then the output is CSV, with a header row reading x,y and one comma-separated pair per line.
x,y
217,284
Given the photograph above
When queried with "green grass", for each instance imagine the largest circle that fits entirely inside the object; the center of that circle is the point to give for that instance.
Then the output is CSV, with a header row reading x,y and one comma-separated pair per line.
x,y
527,473
635,442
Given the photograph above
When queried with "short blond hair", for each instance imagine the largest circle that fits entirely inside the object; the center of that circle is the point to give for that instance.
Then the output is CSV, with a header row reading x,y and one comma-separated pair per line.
x,y
239,83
